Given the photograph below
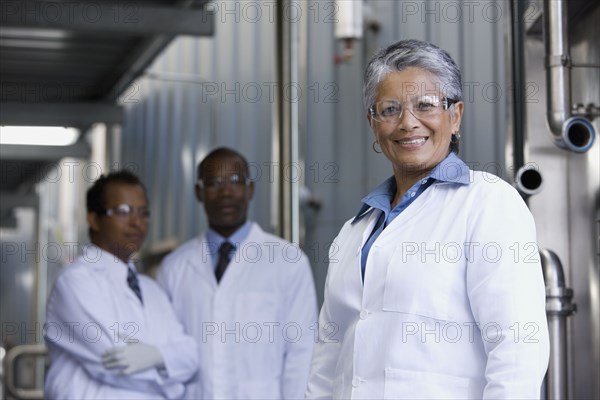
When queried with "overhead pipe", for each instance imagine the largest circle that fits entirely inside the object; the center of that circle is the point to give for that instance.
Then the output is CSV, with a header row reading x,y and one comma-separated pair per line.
x,y
558,309
574,133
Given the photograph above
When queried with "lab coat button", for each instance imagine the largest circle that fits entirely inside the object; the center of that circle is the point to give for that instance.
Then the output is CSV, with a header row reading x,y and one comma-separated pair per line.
x,y
355,382
364,314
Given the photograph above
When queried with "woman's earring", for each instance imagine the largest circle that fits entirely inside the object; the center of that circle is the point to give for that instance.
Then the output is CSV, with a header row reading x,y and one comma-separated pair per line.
x,y
375,149
455,138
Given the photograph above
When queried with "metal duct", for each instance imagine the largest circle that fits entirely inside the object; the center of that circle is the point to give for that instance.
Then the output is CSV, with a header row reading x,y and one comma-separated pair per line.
x,y
558,308
573,133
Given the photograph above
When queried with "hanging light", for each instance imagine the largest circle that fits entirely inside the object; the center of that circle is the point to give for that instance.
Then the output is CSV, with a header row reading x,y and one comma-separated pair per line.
x,y
38,135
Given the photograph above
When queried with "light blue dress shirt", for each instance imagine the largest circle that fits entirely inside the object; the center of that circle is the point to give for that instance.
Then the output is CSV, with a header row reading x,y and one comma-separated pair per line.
x,y
215,240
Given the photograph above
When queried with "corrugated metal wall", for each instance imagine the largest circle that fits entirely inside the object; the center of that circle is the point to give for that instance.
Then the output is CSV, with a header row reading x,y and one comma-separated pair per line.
x,y
200,94
217,91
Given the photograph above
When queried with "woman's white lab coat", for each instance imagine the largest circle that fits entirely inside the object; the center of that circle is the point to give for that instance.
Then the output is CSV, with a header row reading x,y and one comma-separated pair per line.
x,y
453,302
91,309
257,327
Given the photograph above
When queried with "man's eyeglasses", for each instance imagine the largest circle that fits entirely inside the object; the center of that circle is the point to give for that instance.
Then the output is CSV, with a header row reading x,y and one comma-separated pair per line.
x,y
422,107
215,183
125,211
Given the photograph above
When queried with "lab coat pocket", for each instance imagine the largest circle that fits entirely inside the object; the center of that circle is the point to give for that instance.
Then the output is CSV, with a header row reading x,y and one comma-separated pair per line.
x,y
406,384
418,286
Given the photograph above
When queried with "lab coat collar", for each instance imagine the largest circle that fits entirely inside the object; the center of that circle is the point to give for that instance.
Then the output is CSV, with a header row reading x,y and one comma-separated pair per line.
x,y
450,170
239,236
105,261
202,264
108,264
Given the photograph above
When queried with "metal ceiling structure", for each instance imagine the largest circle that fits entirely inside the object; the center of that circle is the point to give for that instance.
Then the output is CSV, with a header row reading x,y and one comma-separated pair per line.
x,y
66,63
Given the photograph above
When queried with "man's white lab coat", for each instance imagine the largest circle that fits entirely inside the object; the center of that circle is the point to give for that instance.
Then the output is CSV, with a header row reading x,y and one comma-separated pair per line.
x,y
91,309
256,328
453,302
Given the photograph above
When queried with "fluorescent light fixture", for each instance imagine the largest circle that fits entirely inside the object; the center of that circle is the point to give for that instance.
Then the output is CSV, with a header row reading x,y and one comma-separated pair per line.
x,y
38,135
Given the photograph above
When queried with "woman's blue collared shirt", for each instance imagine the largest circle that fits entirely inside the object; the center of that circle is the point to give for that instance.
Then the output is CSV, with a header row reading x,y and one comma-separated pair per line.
x,y
451,169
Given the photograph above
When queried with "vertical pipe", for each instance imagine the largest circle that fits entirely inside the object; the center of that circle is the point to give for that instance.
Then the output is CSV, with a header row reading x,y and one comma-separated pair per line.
x,y
47,195
558,77
558,308
286,120
556,378
518,73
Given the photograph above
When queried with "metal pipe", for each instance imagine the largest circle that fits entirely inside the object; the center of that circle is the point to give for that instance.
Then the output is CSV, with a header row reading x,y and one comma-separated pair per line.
x,y
285,141
528,181
573,133
517,37
10,364
558,308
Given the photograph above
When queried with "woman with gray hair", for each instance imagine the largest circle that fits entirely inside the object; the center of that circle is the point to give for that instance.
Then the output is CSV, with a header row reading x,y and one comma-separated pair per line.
x,y
436,290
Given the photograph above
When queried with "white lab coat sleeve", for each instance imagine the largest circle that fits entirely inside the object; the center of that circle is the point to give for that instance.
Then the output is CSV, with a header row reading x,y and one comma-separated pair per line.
x,y
169,275
301,312
326,351
80,323
162,276
506,292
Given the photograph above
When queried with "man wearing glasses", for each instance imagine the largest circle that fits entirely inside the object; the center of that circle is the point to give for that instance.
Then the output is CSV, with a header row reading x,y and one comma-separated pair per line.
x,y
112,334
247,296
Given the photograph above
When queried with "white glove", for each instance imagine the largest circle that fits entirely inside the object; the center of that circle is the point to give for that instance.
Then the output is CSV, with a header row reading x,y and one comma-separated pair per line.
x,y
132,358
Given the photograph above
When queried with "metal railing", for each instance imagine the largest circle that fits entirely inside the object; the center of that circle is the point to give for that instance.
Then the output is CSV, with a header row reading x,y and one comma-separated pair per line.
x,y
11,388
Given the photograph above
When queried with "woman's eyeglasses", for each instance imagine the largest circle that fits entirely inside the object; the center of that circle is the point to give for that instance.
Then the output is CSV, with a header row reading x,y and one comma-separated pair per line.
x,y
422,107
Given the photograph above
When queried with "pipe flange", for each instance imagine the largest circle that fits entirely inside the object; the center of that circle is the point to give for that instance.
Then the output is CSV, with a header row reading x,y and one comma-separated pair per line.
x,y
565,311
559,292
578,135
528,180
560,60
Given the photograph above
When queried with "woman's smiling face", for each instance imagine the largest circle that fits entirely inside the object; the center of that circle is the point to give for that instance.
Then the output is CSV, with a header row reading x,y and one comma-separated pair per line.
x,y
414,145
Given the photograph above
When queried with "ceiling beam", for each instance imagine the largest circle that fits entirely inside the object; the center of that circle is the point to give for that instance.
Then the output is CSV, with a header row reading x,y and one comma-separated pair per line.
x,y
59,114
8,220
122,79
46,153
120,17
12,199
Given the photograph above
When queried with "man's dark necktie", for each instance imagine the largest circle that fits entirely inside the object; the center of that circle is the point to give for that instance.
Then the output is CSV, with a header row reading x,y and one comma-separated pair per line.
x,y
224,252
132,281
